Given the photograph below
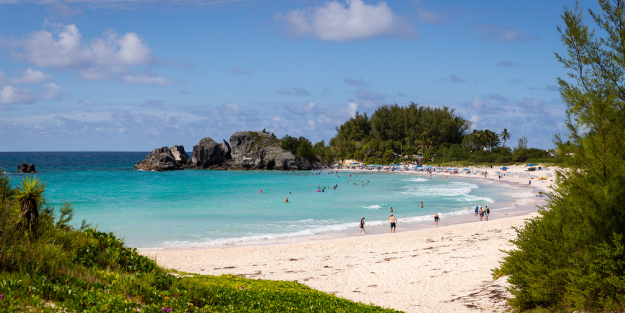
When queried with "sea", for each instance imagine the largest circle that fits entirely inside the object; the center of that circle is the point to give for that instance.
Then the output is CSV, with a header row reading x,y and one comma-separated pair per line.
x,y
210,208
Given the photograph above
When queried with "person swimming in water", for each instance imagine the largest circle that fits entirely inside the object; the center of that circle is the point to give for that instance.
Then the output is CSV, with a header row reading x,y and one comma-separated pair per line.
x,y
286,199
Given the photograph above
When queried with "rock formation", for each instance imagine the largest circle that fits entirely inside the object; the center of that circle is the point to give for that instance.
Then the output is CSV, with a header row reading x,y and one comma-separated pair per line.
x,y
208,153
26,168
253,150
247,150
160,159
182,158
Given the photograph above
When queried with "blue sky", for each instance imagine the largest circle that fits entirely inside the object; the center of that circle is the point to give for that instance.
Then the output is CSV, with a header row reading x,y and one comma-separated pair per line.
x,y
134,75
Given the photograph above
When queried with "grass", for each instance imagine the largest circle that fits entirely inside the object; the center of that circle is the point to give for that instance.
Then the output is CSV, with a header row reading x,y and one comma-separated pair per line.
x,y
65,269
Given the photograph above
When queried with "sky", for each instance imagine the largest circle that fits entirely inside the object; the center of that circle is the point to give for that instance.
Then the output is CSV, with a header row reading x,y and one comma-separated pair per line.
x,y
135,75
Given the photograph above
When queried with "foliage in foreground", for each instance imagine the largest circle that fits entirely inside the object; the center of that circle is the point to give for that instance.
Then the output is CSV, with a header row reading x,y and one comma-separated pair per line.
x,y
572,257
61,268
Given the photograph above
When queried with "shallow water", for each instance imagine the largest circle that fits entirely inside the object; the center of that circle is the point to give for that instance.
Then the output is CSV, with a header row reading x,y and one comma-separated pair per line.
x,y
212,208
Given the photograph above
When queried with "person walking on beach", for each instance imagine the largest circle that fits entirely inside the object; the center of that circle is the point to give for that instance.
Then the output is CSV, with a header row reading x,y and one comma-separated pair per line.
x,y
487,212
436,218
481,212
393,223
476,209
362,226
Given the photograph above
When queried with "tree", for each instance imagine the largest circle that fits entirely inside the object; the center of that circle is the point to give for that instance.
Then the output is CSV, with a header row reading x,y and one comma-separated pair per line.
x,y
29,195
423,143
505,136
572,257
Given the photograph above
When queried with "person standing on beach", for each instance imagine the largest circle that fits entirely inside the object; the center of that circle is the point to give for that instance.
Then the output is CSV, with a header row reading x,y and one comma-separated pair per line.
x,y
481,212
393,223
362,226
476,208
487,212
436,218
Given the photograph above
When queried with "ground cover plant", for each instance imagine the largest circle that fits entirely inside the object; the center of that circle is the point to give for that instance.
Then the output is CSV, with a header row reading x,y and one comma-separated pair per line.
x,y
48,265
572,257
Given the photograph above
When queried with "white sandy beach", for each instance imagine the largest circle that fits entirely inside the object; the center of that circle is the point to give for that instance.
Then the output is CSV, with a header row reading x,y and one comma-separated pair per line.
x,y
444,269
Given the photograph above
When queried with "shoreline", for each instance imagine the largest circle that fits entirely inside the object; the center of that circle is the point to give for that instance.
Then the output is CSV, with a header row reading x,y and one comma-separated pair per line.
x,y
520,207
430,269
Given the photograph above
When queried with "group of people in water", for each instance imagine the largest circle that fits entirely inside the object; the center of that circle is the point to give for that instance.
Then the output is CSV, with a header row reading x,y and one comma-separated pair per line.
x,y
482,213
394,221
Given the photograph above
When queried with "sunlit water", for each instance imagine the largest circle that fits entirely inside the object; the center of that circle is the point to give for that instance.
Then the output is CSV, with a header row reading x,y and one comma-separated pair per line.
x,y
212,208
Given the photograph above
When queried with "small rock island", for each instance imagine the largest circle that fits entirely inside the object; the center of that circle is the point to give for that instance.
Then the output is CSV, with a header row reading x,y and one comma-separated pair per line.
x,y
26,168
247,150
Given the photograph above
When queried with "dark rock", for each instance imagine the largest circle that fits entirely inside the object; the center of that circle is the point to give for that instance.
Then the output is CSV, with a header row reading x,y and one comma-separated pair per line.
x,y
208,153
160,159
254,150
182,158
26,168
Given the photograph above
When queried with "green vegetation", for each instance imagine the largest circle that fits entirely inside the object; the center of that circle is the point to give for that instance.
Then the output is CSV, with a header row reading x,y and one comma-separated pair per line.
x,y
437,134
301,147
46,265
572,257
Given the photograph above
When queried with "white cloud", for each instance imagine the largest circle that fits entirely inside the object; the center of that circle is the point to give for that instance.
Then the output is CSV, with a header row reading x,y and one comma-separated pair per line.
x,y
456,79
336,22
110,56
354,82
31,76
147,79
53,91
352,107
294,91
14,95
504,34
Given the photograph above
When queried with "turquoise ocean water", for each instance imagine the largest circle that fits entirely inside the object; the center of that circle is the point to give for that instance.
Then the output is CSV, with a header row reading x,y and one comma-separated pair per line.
x,y
206,208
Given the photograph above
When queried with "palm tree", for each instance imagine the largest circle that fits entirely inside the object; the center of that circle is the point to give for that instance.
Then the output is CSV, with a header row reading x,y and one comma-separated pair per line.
x,y
29,195
423,143
505,135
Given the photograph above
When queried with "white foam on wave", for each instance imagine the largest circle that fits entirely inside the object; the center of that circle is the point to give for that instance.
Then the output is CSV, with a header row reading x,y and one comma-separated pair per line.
x,y
374,207
417,179
452,189
472,198
317,230
209,242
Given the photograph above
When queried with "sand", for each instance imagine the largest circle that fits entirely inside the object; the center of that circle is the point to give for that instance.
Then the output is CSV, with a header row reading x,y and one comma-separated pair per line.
x,y
443,269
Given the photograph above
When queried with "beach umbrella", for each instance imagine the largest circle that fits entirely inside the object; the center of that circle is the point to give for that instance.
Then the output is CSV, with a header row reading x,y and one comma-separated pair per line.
x,y
419,165
531,164
336,165
504,168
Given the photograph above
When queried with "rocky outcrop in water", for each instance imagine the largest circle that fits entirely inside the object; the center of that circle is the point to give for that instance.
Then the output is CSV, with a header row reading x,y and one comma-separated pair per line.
x,y
26,168
182,158
161,159
247,151
208,153
253,150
